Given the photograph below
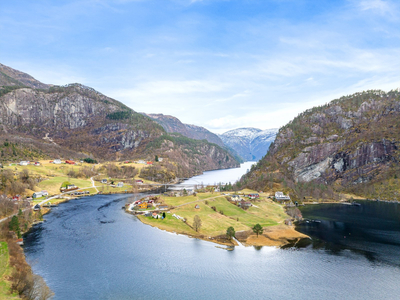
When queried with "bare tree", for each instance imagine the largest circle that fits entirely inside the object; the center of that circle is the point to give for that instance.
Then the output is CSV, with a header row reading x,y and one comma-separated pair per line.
x,y
196,223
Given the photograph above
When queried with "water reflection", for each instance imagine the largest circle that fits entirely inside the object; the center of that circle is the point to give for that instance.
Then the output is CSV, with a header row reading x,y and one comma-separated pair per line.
x,y
371,230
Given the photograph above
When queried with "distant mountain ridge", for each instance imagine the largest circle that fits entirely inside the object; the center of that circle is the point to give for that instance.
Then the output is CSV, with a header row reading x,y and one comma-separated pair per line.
x,y
250,143
172,124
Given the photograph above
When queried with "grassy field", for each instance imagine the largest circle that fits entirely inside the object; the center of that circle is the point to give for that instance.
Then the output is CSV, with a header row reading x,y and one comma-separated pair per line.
x,y
53,175
5,270
264,211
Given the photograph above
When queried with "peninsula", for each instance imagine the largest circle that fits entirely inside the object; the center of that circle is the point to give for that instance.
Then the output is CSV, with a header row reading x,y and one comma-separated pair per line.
x,y
217,212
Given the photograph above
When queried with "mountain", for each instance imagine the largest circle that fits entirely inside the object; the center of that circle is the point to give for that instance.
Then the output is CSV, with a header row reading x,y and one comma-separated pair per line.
x,y
82,120
12,78
172,124
348,145
249,143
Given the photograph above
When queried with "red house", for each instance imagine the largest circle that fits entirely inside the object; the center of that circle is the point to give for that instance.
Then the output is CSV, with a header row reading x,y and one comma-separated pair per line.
x,y
70,162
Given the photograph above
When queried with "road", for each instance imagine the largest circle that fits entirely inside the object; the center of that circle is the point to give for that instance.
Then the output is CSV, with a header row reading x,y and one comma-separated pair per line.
x,y
91,179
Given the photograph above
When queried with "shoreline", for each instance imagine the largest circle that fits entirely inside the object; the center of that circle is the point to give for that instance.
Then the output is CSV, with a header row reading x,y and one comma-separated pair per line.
x,y
273,236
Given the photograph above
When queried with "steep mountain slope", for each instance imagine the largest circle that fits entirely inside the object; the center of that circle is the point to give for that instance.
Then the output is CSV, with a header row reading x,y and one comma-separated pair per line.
x,y
351,144
249,143
81,119
172,124
11,77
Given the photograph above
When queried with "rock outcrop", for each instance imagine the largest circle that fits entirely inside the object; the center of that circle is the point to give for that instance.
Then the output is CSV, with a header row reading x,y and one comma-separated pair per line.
x,y
350,141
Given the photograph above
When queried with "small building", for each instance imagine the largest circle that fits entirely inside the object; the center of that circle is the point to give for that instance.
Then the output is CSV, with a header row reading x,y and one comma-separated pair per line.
x,y
163,207
45,193
236,198
68,188
37,195
103,181
149,163
120,184
37,164
141,162
36,207
143,205
160,159
23,163
17,198
139,181
253,196
70,162
197,206
244,204
156,215
279,196
57,161
147,214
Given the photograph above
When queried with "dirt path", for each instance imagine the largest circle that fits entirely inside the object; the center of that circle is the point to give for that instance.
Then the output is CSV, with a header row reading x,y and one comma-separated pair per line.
x,y
91,179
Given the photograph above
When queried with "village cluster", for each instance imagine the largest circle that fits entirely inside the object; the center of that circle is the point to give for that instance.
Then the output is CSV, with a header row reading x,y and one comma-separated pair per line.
x,y
151,206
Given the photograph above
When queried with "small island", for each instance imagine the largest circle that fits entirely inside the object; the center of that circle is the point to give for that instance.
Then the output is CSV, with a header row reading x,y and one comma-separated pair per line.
x,y
208,215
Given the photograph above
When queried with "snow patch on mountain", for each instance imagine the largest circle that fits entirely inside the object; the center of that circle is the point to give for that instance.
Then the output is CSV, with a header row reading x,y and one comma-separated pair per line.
x,y
250,143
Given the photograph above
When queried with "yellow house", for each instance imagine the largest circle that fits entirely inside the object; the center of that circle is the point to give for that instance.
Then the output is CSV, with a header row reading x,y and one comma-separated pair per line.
x,y
143,205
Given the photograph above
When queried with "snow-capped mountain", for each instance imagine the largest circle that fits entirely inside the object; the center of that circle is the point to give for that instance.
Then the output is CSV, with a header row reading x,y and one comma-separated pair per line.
x,y
249,143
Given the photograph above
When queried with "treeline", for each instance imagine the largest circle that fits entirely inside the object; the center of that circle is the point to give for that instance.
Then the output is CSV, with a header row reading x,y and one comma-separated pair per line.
x,y
23,282
114,171
160,173
13,184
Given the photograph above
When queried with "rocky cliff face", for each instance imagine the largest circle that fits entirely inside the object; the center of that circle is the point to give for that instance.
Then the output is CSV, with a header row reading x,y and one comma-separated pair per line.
x,y
80,119
249,143
350,141
77,117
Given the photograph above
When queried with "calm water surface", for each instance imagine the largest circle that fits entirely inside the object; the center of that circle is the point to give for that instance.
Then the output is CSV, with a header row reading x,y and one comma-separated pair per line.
x,y
221,176
90,248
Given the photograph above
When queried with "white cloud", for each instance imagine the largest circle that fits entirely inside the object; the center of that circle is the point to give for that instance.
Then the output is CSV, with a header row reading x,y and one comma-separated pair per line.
x,y
379,6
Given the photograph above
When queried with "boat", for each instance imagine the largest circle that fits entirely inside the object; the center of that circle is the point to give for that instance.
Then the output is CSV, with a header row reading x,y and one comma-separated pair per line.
x,y
355,204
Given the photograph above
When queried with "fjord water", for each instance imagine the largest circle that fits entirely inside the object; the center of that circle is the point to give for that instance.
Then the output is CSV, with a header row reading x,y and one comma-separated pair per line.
x,y
371,229
89,248
220,176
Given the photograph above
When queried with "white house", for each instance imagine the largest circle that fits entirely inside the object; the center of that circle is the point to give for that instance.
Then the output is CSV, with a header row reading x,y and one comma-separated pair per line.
x,y
120,184
279,196
23,163
37,195
57,161
236,198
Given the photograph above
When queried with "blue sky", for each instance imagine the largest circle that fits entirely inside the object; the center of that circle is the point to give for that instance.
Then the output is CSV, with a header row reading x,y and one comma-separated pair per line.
x,y
221,64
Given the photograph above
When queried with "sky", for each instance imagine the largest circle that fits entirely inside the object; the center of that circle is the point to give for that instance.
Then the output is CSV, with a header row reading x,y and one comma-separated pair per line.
x,y
220,64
